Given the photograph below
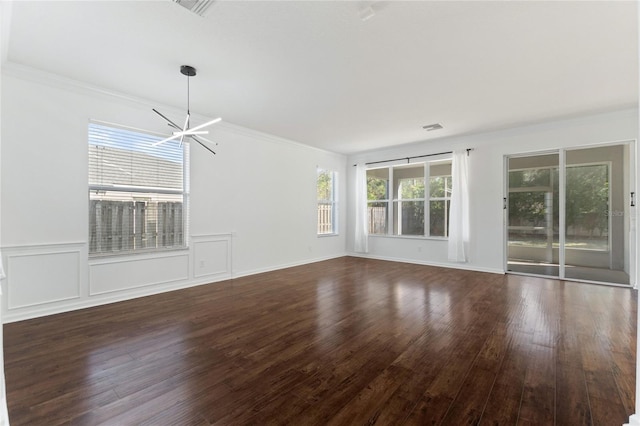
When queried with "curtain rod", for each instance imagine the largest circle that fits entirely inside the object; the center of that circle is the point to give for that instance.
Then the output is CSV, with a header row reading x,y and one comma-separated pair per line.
x,y
411,158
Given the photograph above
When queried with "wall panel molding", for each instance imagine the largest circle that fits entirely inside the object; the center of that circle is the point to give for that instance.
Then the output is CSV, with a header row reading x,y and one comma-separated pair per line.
x,y
120,274
42,274
211,255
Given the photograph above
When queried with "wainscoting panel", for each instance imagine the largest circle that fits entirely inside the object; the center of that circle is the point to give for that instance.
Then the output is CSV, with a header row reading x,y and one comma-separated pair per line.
x,y
212,256
42,274
112,275
46,279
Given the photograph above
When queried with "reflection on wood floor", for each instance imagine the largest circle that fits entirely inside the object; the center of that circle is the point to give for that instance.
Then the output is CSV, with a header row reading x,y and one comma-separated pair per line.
x,y
582,273
345,341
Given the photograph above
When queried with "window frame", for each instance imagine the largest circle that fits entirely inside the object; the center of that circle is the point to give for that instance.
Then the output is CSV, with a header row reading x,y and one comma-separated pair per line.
x,y
446,199
150,192
392,199
332,203
396,226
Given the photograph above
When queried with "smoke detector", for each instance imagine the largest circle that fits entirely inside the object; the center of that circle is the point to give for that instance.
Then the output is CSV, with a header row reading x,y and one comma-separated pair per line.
x,y
199,7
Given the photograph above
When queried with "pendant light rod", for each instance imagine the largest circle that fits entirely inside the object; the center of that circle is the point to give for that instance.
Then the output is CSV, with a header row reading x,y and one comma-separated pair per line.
x,y
189,71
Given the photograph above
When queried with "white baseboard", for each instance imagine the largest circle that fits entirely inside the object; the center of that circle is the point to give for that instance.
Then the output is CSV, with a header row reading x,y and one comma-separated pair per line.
x,y
634,420
103,299
134,293
4,412
463,266
98,300
285,265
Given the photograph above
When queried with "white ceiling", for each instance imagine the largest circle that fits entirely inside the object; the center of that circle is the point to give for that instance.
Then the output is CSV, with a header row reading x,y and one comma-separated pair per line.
x,y
314,72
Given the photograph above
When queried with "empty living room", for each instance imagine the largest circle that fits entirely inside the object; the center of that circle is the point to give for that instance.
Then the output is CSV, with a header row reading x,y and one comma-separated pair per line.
x,y
226,212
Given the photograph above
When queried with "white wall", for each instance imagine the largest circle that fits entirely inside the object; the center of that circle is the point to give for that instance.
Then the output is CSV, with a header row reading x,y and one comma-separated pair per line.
x,y
252,206
4,24
486,177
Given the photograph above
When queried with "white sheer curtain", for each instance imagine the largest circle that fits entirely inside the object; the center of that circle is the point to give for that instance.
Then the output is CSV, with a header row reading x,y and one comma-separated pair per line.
x,y
361,244
459,211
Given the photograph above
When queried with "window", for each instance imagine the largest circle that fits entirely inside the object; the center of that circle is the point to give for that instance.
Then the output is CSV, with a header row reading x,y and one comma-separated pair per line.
x,y
439,198
408,200
397,197
137,192
378,200
327,202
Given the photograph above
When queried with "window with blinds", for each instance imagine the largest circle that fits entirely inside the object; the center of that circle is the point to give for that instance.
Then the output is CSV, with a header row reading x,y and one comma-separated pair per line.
x,y
137,192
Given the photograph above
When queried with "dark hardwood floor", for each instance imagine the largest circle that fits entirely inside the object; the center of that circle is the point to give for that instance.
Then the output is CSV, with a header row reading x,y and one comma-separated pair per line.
x,y
343,342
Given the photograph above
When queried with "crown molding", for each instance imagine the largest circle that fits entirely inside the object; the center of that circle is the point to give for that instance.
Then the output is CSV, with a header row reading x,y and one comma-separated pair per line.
x,y
256,134
57,81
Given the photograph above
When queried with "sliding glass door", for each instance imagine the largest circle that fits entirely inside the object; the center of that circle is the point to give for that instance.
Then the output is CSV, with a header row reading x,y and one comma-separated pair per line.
x,y
533,214
568,214
596,233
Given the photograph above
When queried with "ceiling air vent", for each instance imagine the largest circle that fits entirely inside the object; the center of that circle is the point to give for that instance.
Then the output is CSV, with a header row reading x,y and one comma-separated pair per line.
x,y
199,7
430,127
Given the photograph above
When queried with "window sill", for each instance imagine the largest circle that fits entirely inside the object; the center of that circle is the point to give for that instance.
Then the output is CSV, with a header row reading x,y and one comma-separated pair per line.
x,y
410,237
327,235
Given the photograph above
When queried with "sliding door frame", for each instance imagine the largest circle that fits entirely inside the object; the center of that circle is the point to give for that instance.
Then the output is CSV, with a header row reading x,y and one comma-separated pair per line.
x,y
629,211
562,220
505,189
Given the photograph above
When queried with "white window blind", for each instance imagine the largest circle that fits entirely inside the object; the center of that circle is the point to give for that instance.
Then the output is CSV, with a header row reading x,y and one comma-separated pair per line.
x,y
137,192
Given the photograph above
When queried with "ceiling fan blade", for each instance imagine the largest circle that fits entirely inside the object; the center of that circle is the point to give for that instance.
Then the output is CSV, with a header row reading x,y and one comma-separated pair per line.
x,y
170,138
204,139
206,147
185,131
186,124
189,132
171,123
208,123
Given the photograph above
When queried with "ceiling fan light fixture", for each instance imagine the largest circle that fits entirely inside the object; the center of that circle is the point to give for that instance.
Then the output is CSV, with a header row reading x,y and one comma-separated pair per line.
x,y
187,131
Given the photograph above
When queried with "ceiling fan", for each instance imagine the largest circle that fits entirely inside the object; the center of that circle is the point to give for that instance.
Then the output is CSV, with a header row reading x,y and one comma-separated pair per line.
x,y
195,133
